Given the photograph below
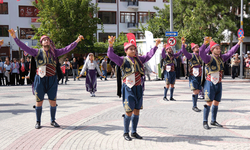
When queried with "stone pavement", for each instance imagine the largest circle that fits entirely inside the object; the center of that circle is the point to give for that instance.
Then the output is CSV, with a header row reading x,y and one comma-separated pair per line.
x,y
96,123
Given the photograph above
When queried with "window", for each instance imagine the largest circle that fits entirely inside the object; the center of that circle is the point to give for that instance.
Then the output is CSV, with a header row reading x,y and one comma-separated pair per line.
x,y
28,11
140,36
127,17
107,17
4,31
143,16
4,8
106,1
147,0
26,33
103,37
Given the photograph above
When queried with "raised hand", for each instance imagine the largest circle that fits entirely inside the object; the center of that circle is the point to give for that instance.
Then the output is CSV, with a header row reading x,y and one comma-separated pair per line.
x,y
164,45
183,40
80,37
157,42
111,41
1,42
240,40
207,40
12,33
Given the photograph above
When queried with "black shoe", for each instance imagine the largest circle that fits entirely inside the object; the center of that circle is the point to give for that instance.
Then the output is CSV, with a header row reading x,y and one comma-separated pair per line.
x,y
172,99
196,109
205,125
38,126
216,124
136,135
165,99
127,137
53,123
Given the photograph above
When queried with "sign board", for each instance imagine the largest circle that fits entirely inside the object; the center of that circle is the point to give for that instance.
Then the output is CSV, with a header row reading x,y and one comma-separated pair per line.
x,y
171,41
240,32
171,33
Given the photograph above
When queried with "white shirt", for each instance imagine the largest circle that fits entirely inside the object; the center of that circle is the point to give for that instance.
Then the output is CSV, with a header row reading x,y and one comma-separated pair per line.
x,y
7,67
1,65
91,66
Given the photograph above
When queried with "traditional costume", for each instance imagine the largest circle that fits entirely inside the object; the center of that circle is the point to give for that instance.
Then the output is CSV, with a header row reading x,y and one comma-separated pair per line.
x,y
213,85
132,91
195,71
91,75
168,70
45,70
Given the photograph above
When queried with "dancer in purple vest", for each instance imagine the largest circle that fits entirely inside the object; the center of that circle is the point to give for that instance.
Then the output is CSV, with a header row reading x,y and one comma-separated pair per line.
x,y
195,65
132,70
214,71
45,80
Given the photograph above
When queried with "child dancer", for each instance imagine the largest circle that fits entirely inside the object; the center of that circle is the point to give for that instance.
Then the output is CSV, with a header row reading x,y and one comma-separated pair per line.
x,y
132,72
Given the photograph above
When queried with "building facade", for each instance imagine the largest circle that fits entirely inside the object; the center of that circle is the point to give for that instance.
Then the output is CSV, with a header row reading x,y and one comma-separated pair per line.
x,y
117,16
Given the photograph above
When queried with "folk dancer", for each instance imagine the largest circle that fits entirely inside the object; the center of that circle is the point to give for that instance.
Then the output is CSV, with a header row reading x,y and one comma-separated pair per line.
x,y
168,70
132,70
195,70
90,66
213,86
45,80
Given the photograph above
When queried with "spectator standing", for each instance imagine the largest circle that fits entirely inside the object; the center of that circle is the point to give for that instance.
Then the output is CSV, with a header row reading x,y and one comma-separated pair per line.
x,y
112,64
15,72
75,67
22,72
1,72
7,70
104,68
235,62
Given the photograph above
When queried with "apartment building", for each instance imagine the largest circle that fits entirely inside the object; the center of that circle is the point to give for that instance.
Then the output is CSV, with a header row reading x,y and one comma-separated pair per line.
x,y
117,16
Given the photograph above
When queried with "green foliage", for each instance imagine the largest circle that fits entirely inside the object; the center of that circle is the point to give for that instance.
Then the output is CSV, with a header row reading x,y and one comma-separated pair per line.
x,y
64,20
101,47
195,19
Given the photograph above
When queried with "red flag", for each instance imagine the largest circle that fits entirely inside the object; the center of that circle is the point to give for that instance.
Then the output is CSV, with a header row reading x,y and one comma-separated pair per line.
x,y
1,1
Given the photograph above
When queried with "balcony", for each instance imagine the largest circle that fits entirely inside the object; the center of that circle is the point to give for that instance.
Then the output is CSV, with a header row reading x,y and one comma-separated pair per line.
x,y
132,25
133,4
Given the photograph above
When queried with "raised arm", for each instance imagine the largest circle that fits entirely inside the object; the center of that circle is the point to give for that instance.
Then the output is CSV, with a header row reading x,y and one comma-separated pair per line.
x,y
203,52
32,51
163,53
149,55
230,53
115,58
185,52
177,54
207,50
62,51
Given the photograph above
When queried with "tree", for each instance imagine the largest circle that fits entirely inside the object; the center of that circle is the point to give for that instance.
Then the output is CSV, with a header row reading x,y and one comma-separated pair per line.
x,y
195,19
64,20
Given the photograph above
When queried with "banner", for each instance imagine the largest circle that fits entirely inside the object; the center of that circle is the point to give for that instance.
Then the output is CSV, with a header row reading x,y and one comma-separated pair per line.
x,y
150,44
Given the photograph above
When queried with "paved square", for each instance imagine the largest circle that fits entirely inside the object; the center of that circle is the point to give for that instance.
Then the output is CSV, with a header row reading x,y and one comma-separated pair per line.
x,y
97,123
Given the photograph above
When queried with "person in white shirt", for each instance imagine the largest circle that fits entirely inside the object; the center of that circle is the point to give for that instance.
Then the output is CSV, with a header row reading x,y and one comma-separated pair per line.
x,y
7,70
91,67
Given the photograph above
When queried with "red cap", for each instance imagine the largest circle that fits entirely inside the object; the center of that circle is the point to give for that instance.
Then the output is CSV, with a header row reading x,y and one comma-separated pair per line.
x,y
131,41
213,44
193,45
167,46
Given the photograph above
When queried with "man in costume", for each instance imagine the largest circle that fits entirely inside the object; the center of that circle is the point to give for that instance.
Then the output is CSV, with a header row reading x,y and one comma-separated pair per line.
x,y
213,86
45,80
195,66
132,71
168,70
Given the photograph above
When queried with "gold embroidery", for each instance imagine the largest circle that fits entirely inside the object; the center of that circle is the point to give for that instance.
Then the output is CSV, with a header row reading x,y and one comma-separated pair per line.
x,y
127,69
206,96
191,86
40,61
213,67
194,61
37,98
126,107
